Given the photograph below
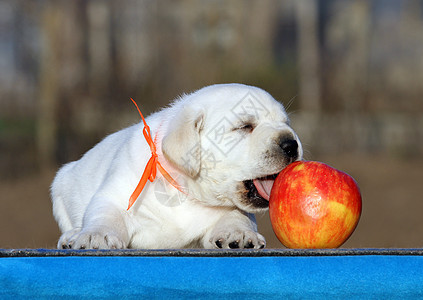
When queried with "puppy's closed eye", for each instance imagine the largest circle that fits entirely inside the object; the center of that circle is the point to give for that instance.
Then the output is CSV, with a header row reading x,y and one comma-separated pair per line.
x,y
245,127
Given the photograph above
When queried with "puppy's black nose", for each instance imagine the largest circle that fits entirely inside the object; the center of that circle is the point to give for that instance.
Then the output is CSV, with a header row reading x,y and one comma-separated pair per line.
x,y
289,147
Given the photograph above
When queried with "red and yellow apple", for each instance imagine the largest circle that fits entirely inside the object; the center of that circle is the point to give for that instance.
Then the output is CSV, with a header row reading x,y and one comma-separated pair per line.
x,y
313,205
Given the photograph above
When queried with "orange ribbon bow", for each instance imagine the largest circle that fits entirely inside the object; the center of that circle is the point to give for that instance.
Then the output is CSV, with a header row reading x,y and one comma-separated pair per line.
x,y
153,164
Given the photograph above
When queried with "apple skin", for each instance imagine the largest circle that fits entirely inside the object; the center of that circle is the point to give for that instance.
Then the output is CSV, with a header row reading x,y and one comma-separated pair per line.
x,y
313,205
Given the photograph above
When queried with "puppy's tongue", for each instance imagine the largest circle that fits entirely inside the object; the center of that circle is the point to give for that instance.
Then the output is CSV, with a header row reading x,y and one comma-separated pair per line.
x,y
264,186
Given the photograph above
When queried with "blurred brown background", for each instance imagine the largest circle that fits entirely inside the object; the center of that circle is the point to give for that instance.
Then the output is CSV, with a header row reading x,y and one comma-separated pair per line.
x,y
349,71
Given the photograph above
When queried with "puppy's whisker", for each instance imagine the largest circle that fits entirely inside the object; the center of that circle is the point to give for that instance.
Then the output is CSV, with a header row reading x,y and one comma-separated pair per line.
x,y
290,102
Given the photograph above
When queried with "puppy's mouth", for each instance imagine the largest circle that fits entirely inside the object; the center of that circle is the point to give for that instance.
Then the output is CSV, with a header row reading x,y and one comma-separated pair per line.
x,y
259,190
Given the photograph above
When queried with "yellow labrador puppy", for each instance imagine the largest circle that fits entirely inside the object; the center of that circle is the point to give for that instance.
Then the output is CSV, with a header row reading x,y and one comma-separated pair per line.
x,y
223,144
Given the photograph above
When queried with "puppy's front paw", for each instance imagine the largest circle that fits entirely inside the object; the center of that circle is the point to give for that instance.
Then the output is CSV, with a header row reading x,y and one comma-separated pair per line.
x,y
238,239
91,239
64,241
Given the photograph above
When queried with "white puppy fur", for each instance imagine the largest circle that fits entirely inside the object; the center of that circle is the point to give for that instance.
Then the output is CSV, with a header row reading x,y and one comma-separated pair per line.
x,y
220,143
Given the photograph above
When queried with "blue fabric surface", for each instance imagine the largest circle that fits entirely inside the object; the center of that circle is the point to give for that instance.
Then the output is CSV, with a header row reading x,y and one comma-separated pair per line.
x,y
322,277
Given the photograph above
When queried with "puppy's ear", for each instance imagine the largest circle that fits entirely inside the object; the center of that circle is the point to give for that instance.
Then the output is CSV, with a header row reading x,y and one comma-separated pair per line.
x,y
182,145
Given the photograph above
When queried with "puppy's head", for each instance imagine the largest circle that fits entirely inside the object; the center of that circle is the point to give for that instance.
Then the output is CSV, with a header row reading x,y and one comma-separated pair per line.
x,y
231,141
